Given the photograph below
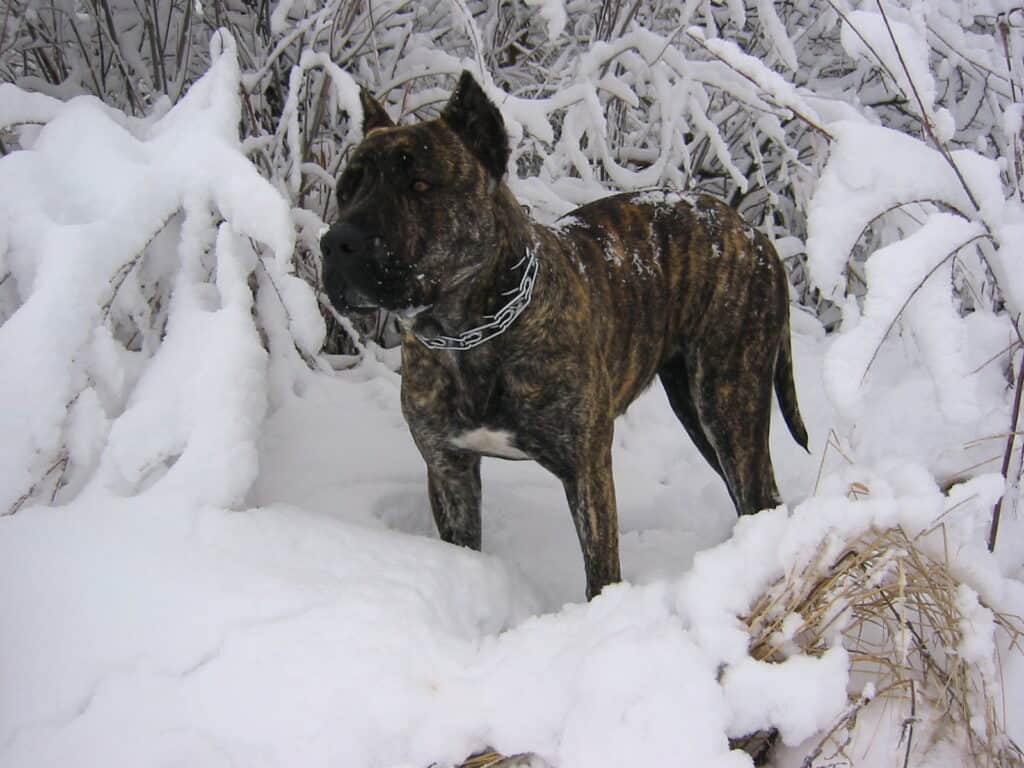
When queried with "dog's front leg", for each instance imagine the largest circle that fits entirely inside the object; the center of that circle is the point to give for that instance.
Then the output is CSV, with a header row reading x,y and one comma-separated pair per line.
x,y
453,480
591,495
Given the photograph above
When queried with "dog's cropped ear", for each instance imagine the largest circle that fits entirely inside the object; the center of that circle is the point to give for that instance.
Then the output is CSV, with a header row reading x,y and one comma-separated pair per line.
x,y
374,115
478,123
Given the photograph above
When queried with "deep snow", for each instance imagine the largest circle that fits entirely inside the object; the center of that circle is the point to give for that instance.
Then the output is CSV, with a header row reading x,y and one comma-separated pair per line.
x,y
323,624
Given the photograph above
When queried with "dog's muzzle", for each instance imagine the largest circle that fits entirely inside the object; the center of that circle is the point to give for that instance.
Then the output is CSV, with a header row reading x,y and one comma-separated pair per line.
x,y
356,270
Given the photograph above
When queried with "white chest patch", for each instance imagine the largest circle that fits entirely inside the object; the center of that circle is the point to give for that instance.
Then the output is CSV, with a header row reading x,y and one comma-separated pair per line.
x,y
490,442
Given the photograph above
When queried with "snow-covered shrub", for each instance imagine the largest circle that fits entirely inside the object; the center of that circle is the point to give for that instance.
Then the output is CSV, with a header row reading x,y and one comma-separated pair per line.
x,y
148,308
883,136
732,98
167,168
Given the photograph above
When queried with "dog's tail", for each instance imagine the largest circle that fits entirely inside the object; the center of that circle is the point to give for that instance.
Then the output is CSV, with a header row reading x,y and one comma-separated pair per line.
x,y
785,390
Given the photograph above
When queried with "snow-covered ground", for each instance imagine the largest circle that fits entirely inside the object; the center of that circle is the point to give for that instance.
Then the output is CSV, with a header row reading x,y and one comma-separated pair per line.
x,y
322,623
240,567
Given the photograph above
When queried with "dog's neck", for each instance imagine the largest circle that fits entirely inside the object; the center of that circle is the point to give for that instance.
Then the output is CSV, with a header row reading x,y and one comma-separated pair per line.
x,y
489,297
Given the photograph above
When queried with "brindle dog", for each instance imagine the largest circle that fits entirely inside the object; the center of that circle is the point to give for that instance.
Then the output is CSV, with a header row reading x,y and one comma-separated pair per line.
x,y
620,291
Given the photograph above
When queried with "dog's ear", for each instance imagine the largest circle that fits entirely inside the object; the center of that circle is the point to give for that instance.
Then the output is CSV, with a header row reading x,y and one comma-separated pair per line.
x,y
374,115
478,123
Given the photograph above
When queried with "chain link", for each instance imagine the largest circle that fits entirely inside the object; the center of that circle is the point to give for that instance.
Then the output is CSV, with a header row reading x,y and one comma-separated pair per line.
x,y
499,321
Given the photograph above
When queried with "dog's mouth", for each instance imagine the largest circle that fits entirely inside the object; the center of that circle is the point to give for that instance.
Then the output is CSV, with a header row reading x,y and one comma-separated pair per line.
x,y
361,289
366,285
353,298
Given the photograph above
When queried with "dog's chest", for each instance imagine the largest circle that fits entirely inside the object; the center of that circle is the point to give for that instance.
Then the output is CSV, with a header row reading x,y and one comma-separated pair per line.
x,y
488,442
479,410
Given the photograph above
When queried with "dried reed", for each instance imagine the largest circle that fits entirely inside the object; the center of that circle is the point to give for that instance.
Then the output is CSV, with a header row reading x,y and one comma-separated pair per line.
x,y
899,612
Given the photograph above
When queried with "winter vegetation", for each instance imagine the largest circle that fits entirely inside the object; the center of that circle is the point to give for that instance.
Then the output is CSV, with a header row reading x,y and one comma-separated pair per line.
x,y
215,541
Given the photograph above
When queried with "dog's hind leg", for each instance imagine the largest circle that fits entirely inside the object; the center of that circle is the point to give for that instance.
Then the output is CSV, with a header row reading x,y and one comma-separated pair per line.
x,y
733,402
453,482
676,380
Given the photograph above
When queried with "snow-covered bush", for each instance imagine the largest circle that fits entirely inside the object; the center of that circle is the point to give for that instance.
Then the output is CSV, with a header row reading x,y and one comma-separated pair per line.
x,y
734,98
147,299
167,168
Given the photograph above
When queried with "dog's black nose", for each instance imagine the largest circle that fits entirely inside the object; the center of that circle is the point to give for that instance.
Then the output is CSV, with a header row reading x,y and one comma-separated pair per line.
x,y
349,241
356,264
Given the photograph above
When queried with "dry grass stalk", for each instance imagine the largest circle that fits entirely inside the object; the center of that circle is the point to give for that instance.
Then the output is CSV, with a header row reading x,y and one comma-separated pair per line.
x,y
898,612
488,758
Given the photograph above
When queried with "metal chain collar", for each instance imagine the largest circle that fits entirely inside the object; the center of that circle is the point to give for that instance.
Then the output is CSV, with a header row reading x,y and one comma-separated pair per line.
x,y
499,321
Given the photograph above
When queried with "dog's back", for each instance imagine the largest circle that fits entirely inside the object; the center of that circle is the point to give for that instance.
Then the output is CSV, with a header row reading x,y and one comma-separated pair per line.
x,y
669,274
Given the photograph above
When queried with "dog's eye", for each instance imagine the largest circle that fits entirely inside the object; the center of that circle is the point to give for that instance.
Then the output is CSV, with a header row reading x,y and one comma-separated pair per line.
x,y
405,160
419,185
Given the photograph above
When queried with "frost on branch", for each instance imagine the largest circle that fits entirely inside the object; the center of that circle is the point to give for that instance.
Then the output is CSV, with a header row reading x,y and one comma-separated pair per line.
x,y
130,338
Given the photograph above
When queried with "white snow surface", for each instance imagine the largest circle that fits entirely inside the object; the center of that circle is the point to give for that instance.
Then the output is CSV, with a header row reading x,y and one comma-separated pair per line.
x,y
241,568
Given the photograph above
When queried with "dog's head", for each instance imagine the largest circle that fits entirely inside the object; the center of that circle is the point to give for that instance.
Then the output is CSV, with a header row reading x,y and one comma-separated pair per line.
x,y
415,204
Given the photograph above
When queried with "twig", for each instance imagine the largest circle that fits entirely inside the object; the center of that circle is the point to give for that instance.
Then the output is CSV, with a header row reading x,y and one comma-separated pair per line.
x,y
344,322
309,360
60,463
867,44
843,722
908,724
117,280
1009,349
8,9
84,50
182,51
473,33
115,49
1014,419
1000,436
831,442
1003,25
984,72
897,206
979,464
1018,161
